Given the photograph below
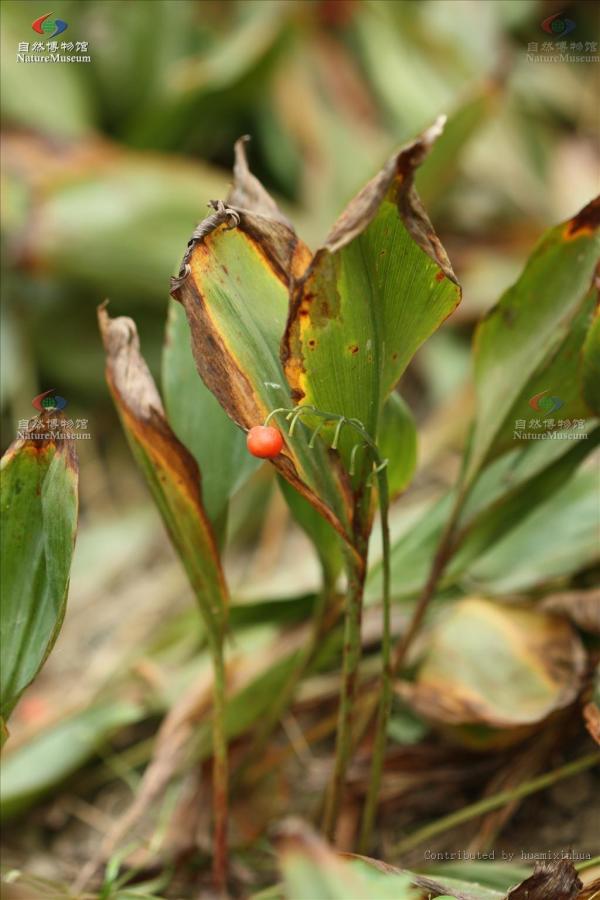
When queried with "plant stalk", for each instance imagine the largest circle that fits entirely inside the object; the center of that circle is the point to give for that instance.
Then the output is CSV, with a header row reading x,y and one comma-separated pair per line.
x,y
385,698
220,768
356,572
501,799
356,565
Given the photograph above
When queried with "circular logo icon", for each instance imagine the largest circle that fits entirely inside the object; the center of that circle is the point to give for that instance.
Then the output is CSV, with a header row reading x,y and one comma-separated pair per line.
x,y
49,27
558,25
543,403
46,403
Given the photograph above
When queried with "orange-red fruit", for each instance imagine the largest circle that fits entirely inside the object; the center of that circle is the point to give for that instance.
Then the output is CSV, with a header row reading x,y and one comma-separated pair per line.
x,y
264,441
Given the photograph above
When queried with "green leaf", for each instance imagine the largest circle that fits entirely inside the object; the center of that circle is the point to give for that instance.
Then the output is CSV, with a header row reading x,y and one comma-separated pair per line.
x,y
88,235
556,539
501,501
171,472
555,393
503,515
200,423
234,286
529,323
39,522
377,288
398,443
496,665
31,770
591,365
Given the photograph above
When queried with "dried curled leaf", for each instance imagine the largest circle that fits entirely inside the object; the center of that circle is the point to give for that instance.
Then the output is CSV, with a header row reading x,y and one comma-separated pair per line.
x,y
591,717
550,881
170,470
581,607
497,665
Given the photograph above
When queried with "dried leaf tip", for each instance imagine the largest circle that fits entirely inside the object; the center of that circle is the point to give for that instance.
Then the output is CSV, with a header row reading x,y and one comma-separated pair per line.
x,y
126,369
431,134
247,192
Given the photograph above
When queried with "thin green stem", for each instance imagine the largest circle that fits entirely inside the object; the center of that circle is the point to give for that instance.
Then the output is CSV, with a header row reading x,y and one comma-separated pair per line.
x,y
352,651
488,804
588,864
385,698
220,768
356,570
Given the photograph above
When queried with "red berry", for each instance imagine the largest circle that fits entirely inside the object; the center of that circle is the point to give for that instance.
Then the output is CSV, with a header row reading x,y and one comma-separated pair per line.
x,y
264,441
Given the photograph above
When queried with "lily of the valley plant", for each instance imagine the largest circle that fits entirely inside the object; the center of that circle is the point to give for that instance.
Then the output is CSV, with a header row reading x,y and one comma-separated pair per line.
x,y
303,352
315,344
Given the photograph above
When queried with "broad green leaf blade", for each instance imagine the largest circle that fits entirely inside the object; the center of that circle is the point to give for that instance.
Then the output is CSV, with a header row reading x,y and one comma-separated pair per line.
x,y
171,472
503,515
398,443
377,288
39,521
591,365
496,665
33,769
200,423
553,398
87,233
529,323
554,540
503,498
234,285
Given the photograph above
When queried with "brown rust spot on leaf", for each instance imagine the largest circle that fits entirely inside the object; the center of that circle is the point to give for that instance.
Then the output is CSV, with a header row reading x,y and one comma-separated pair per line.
x,y
353,348
440,276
